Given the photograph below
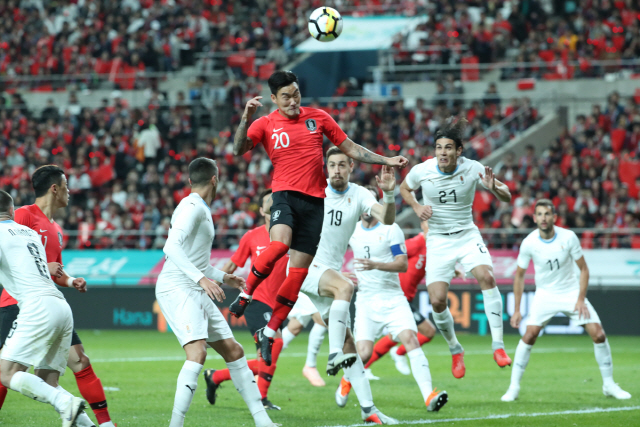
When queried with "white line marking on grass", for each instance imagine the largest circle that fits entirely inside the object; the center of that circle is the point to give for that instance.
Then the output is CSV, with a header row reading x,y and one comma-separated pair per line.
x,y
503,416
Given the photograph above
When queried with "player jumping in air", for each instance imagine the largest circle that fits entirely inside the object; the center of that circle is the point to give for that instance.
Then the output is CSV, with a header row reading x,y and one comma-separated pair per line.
x,y
553,251
50,186
379,255
185,292
292,137
41,337
448,184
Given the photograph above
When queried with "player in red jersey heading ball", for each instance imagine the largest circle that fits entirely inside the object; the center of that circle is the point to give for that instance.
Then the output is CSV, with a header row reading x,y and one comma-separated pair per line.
x,y
292,137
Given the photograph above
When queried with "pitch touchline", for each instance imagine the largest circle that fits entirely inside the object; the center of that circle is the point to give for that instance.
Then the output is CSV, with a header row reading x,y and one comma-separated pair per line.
x,y
502,416
300,355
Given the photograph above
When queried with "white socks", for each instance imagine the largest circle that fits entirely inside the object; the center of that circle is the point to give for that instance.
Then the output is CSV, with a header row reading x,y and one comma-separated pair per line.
x,y
520,362
245,383
356,376
187,384
420,370
338,320
35,388
603,357
316,336
287,337
444,322
493,310
269,332
83,419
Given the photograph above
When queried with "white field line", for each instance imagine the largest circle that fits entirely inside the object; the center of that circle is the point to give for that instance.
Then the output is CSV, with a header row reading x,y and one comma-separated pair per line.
x,y
504,416
300,355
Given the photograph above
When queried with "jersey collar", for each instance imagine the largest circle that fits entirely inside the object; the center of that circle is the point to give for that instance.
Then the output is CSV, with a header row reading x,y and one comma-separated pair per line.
x,y
200,197
372,228
550,240
6,220
446,173
340,192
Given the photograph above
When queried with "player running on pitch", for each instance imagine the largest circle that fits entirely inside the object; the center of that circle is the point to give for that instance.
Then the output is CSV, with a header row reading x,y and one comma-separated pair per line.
x,y
448,184
185,292
50,185
379,255
553,251
292,137
257,314
41,337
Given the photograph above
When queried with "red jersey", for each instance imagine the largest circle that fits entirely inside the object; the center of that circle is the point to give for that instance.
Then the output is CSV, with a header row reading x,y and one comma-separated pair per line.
x,y
417,254
295,148
251,245
51,233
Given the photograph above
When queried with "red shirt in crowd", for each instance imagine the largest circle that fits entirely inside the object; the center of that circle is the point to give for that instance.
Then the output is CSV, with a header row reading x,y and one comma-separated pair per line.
x,y
251,245
417,255
51,233
295,148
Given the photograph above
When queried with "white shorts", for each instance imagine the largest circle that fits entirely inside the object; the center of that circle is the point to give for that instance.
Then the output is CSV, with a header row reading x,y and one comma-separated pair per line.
x,y
41,336
374,315
310,289
545,306
303,309
466,247
193,316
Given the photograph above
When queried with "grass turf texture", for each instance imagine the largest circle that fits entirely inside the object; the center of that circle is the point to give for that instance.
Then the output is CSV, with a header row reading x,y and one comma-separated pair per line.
x,y
562,376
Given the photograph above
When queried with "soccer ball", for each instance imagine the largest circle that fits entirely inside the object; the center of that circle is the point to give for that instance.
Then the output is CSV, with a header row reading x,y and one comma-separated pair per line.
x,y
325,24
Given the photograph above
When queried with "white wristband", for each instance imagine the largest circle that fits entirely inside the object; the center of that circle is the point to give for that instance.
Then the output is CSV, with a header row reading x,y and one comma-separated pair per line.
x,y
388,197
70,281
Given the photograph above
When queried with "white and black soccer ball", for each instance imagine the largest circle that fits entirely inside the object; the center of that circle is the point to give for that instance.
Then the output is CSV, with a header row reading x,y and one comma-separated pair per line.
x,y
325,24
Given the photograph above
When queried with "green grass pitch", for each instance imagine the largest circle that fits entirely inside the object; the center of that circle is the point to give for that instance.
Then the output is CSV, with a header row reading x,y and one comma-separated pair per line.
x,y
139,370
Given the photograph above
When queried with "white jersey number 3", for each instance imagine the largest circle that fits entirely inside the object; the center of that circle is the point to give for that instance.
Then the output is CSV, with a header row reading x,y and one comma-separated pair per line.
x,y
280,140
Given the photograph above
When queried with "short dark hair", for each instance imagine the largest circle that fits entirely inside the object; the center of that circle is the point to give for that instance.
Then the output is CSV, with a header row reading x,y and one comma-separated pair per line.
x,y
333,151
44,177
201,170
264,194
454,131
280,79
6,201
545,203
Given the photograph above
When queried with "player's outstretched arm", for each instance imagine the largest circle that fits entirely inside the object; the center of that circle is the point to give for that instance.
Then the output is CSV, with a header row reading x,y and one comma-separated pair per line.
x,y
241,143
499,189
229,267
424,212
518,290
386,213
581,307
358,152
400,264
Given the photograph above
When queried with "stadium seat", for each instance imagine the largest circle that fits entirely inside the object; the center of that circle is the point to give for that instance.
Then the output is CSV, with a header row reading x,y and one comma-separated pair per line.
x,y
472,73
617,139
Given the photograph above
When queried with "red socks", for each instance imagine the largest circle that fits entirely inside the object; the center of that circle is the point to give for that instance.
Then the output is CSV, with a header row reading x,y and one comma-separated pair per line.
x,y
3,394
287,296
421,339
266,372
222,375
91,389
381,348
263,265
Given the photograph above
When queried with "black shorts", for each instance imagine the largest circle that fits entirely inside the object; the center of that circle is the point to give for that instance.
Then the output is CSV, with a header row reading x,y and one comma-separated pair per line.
x,y
304,214
257,316
9,314
418,317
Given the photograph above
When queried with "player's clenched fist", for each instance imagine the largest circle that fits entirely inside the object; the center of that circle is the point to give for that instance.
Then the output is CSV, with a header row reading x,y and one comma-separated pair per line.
x,y
252,106
398,162
515,320
424,212
214,291
80,284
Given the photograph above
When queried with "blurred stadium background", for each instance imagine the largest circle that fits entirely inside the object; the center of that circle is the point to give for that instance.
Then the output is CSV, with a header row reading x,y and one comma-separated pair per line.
x,y
123,95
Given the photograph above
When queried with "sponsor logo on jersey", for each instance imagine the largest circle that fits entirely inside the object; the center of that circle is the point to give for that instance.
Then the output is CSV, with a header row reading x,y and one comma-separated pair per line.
x,y
311,125
60,238
275,216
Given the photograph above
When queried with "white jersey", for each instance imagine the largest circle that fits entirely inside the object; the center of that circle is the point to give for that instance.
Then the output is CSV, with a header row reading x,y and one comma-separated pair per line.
x,y
188,247
381,243
553,260
23,264
450,195
342,212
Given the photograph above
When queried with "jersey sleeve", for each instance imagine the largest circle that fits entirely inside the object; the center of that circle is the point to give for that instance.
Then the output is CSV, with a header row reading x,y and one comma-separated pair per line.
x,y
256,130
23,217
183,225
367,201
332,130
413,177
243,252
414,246
524,256
396,241
574,247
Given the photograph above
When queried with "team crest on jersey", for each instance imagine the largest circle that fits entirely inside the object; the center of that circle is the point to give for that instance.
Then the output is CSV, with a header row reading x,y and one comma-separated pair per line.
x,y
311,125
275,215
60,238
349,200
462,179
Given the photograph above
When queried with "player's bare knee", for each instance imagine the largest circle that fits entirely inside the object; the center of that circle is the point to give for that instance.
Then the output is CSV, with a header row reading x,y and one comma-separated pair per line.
x,y
439,305
599,336
486,280
234,353
529,338
5,378
343,290
427,329
410,341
